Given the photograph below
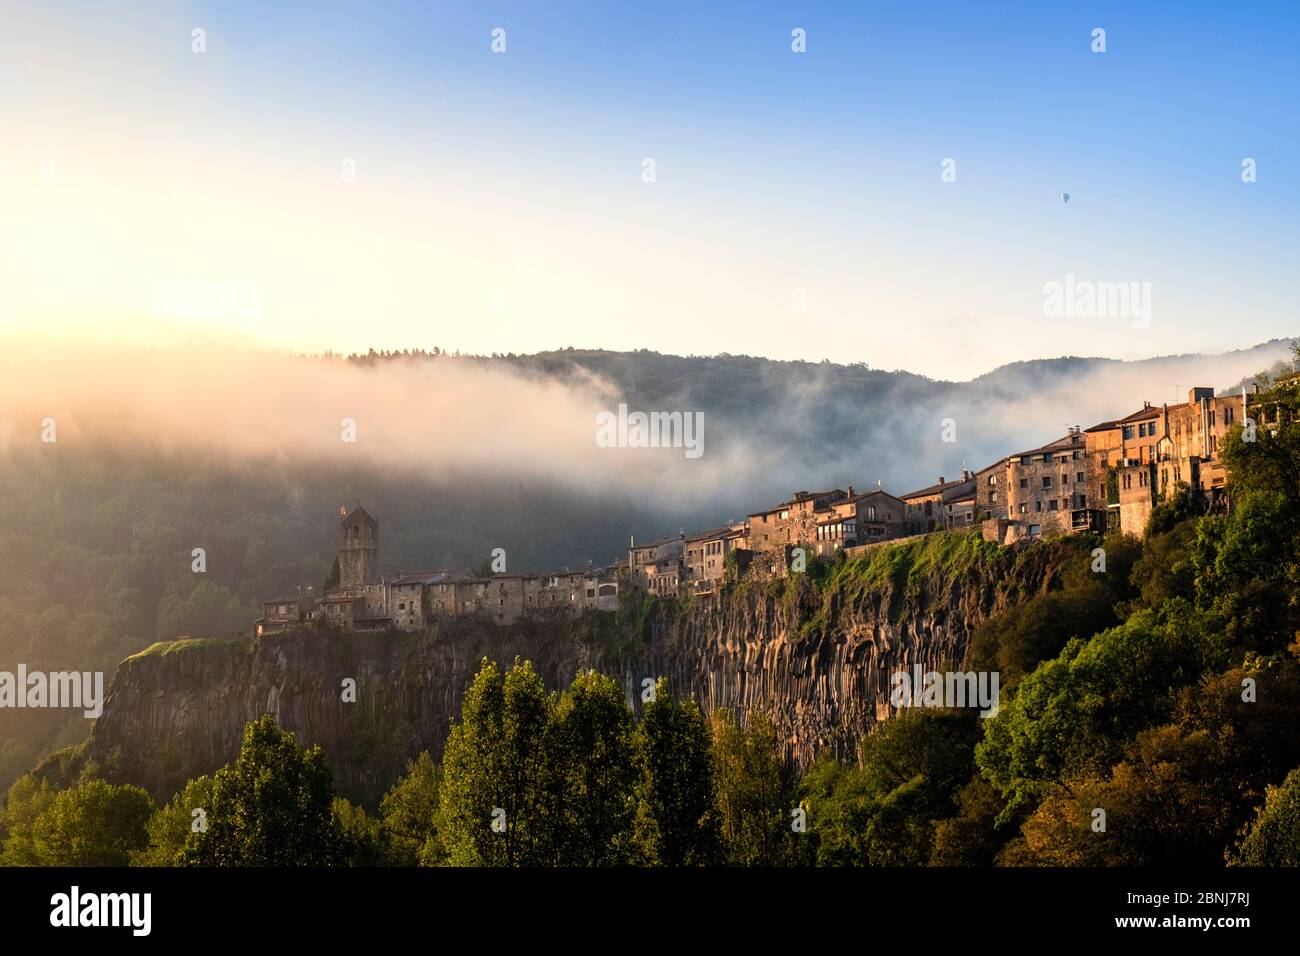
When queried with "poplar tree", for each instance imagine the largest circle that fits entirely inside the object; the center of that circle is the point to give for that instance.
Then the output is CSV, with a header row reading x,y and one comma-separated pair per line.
x,y
592,783
494,785
677,820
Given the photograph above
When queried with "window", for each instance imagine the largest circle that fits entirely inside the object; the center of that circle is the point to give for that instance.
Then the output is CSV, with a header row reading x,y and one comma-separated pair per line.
x,y
1051,505
1047,481
1025,459
1038,506
1211,418
1227,415
1065,478
1024,482
871,513
993,479
1079,477
1128,431
1023,509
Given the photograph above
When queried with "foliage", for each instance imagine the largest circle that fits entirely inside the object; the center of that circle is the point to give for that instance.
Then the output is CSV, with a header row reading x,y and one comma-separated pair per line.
x,y
272,806
92,824
410,815
494,785
592,774
170,827
884,811
1274,836
677,819
755,790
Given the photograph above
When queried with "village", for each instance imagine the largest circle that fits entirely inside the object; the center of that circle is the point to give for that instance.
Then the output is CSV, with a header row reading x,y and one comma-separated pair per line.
x,y
1103,478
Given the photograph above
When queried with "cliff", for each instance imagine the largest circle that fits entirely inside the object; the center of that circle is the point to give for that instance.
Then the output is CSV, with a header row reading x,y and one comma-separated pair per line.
x,y
814,652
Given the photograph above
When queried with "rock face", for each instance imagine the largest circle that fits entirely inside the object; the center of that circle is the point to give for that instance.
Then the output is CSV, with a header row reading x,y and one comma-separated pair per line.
x,y
816,656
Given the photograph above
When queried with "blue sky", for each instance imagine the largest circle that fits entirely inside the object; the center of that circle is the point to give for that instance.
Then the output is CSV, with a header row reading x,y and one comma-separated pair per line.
x,y
499,204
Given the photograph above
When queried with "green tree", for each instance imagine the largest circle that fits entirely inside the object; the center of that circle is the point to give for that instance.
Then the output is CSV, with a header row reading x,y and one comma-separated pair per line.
x,y
24,802
410,814
1273,838
494,784
93,824
272,806
1075,713
677,819
885,811
363,841
592,773
171,826
754,790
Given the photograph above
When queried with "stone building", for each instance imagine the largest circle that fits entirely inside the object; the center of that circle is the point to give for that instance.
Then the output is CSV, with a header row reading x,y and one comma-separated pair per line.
x,y
792,522
1048,490
1137,461
991,491
364,601
925,510
860,519
652,564
286,613
706,555
957,503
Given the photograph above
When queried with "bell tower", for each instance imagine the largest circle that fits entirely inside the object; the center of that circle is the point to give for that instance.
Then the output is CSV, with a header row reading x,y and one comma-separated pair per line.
x,y
359,549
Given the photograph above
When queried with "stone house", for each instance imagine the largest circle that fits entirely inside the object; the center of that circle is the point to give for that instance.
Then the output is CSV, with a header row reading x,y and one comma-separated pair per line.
x,y
860,519
957,502
706,555
925,510
660,554
792,522
1048,490
286,613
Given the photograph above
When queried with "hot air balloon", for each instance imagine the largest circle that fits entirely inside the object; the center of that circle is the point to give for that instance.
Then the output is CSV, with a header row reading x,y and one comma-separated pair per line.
x,y
1065,197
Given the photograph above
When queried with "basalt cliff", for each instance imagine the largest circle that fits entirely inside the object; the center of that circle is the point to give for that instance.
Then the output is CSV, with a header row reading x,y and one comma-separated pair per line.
x,y
814,651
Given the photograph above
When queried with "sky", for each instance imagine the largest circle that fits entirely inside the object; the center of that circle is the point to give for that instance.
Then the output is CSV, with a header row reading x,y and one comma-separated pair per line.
x,y
342,177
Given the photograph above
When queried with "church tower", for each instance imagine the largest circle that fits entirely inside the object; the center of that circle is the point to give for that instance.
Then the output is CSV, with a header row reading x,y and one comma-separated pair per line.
x,y
359,550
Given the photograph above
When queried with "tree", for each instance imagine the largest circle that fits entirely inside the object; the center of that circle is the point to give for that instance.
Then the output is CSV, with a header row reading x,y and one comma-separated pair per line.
x,y
93,824
333,578
677,820
25,801
754,790
1159,807
1273,838
494,772
1075,713
363,841
884,812
272,806
410,814
593,775
171,826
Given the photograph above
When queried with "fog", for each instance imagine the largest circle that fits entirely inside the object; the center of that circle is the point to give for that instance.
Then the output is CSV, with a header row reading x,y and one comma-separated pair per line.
x,y
460,418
